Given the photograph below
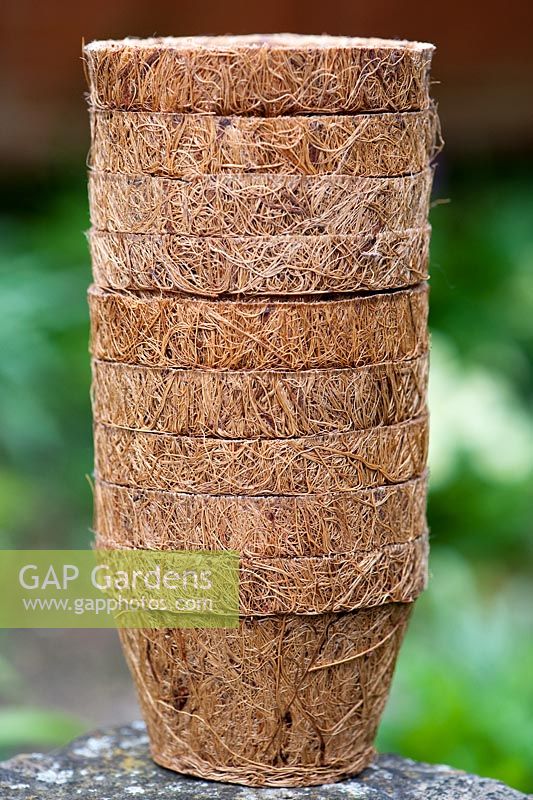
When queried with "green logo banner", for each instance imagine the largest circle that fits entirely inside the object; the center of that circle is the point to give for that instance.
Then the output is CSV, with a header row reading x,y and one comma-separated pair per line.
x,y
119,589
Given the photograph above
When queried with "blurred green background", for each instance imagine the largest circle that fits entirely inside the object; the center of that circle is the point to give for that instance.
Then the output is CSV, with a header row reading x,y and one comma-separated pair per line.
x,y
463,692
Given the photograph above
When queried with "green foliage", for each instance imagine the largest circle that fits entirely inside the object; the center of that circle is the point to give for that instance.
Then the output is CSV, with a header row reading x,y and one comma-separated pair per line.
x,y
482,255
22,727
463,692
482,381
44,372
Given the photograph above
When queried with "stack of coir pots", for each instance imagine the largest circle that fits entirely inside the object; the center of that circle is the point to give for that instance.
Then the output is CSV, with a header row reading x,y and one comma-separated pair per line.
x,y
259,339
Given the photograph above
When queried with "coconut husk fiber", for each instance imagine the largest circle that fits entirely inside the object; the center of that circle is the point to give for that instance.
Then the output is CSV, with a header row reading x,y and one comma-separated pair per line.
x,y
248,404
336,583
186,332
311,464
260,265
272,527
262,74
258,205
279,701
188,145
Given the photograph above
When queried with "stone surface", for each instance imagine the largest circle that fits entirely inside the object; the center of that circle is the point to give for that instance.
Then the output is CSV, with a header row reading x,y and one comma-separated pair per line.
x,y
115,764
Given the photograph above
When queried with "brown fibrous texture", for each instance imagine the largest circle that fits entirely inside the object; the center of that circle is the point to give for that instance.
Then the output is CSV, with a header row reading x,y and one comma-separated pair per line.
x,y
185,332
188,145
279,701
260,265
275,404
312,464
258,205
317,584
262,75
293,431
275,527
